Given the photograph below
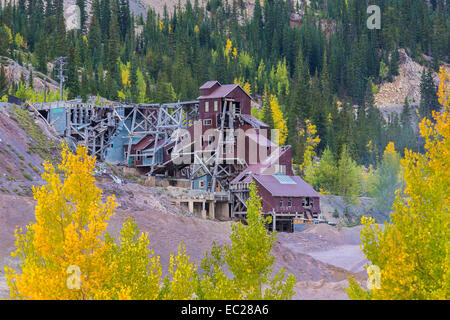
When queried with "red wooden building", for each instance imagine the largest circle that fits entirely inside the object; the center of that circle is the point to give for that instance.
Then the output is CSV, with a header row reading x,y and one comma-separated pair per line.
x,y
221,163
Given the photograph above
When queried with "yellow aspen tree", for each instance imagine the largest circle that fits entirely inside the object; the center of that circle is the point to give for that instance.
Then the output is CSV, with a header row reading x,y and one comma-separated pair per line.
x,y
309,134
278,120
412,253
388,179
135,269
228,47
249,256
235,53
182,282
244,84
62,254
196,30
214,283
18,40
282,78
125,75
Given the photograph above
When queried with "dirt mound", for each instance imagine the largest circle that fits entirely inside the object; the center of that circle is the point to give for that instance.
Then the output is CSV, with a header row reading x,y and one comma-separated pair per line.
x,y
326,232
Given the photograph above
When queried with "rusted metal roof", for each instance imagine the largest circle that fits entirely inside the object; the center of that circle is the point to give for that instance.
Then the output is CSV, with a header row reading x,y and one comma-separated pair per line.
x,y
278,189
222,91
144,142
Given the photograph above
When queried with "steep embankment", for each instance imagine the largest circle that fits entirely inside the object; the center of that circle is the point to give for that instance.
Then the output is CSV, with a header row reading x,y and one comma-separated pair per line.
x,y
23,147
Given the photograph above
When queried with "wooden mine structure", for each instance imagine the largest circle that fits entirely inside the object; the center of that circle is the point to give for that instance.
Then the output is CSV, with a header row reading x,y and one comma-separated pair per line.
x,y
226,149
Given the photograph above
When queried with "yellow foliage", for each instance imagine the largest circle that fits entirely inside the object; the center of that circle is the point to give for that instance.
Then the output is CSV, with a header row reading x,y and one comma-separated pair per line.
x,y
390,149
244,84
70,222
121,95
136,271
183,284
126,78
18,39
312,140
278,120
8,34
413,251
228,47
324,192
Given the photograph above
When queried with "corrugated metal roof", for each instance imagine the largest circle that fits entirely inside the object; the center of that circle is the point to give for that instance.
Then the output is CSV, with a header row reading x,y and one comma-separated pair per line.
x,y
253,168
277,189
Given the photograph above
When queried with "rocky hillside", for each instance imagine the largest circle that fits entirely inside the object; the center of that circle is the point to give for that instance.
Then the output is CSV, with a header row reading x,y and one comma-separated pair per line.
x,y
23,147
139,7
15,72
406,84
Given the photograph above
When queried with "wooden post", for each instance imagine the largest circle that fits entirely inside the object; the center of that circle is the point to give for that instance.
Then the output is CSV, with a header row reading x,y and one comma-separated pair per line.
x,y
274,225
131,136
219,147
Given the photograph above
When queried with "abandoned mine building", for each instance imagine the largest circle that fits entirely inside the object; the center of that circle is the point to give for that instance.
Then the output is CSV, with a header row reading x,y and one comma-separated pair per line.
x,y
226,150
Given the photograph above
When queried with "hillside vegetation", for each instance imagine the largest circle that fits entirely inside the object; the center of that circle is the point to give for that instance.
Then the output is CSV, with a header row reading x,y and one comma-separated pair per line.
x,y
325,68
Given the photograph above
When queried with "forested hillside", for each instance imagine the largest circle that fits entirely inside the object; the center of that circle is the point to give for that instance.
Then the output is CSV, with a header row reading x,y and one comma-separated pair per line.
x,y
324,65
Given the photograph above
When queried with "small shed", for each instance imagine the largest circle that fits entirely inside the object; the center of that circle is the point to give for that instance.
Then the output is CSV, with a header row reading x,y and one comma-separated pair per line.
x,y
203,182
